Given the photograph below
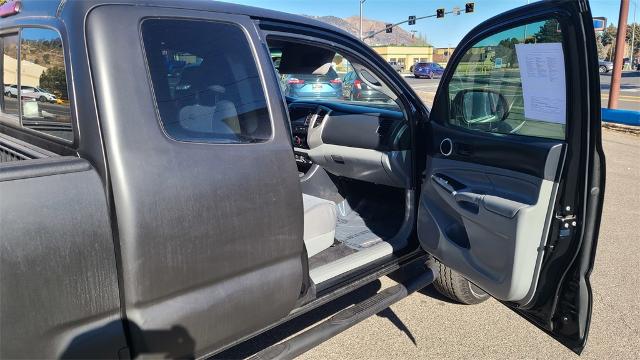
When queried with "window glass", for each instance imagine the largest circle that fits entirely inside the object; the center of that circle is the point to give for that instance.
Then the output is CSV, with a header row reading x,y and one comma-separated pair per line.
x,y
9,64
339,80
43,83
205,80
512,82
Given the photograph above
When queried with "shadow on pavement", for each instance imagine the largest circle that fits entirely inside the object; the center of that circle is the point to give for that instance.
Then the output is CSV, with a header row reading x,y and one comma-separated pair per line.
x,y
395,320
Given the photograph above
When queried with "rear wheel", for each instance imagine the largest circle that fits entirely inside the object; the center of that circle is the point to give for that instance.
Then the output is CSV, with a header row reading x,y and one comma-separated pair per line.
x,y
603,69
452,285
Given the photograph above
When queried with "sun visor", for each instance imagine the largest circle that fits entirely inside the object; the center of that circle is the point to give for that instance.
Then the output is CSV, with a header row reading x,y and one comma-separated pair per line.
x,y
304,59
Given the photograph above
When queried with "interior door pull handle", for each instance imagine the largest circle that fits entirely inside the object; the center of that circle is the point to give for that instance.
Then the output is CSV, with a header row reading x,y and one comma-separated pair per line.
x,y
469,197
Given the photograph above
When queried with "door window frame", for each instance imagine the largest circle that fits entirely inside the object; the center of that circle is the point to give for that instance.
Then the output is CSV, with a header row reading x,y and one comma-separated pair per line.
x,y
441,110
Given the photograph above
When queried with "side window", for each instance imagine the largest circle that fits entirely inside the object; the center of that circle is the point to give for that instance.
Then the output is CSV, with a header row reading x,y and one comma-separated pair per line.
x,y
9,64
512,82
43,94
205,81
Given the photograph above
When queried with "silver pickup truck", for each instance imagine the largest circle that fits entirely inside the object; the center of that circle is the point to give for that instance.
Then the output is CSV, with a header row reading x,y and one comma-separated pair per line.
x,y
174,202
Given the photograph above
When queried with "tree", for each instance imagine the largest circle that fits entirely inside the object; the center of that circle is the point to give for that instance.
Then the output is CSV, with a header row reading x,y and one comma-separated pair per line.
x,y
548,32
55,80
636,39
608,39
506,50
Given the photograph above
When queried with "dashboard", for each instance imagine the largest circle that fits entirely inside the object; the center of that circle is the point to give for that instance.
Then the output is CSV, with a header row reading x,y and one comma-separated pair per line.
x,y
355,141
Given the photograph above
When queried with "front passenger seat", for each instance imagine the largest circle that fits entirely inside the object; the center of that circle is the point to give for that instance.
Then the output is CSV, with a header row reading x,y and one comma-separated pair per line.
x,y
319,224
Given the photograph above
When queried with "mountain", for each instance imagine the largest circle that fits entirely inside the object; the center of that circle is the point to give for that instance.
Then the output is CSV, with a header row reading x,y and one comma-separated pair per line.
x,y
351,25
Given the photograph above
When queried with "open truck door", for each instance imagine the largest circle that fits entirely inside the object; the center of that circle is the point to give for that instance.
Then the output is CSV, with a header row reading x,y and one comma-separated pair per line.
x,y
514,174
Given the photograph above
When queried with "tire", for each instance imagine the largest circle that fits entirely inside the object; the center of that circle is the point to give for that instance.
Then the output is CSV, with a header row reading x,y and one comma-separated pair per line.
x,y
452,285
603,69
42,98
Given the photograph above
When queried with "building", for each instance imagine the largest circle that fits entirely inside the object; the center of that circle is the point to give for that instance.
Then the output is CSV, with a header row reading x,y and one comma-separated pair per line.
x,y
30,72
442,55
405,55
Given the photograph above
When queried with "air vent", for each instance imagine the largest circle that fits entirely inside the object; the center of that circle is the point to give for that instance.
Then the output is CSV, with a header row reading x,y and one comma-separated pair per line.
x,y
384,128
309,118
320,115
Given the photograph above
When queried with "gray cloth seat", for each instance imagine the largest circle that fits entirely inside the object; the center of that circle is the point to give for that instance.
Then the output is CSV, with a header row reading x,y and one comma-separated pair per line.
x,y
319,223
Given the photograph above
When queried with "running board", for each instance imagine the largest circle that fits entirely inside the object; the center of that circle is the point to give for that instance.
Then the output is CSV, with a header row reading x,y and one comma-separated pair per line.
x,y
345,319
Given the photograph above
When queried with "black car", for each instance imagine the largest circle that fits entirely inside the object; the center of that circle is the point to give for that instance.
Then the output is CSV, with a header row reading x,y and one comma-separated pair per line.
x,y
354,88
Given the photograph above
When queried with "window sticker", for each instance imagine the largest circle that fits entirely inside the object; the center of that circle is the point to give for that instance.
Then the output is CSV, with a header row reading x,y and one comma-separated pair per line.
x,y
543,81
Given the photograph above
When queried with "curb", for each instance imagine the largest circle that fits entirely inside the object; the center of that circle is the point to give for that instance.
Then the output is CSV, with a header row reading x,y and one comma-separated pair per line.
x,y
625,117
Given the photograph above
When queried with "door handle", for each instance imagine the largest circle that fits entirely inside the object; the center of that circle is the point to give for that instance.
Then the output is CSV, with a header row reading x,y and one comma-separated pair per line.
x,y
460,194
468,197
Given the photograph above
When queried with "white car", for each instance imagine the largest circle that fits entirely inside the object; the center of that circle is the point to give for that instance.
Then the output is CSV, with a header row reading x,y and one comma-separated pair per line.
x,y
30,92
11,90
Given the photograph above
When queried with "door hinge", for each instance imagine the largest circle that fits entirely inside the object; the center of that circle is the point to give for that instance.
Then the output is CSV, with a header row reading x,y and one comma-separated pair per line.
x,y
568,221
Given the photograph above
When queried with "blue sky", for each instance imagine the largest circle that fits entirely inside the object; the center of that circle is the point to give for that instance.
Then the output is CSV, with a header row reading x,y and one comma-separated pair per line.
x,y
440,32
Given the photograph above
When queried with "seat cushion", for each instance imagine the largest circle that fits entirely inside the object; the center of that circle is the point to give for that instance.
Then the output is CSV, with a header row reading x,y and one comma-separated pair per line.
x,y
319,223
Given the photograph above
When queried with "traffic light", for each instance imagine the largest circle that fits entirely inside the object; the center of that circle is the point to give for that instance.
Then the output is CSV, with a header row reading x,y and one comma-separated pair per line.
x,y
412,20
388,28
468,7
440,13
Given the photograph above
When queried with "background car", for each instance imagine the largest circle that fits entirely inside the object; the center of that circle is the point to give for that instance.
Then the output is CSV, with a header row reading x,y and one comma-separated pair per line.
x,y
30,92
327,86
39,94
605,66
396,66
11,90
353,88
428,70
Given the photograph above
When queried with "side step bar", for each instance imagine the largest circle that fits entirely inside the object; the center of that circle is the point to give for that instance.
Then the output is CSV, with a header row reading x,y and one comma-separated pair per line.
x,y
345,319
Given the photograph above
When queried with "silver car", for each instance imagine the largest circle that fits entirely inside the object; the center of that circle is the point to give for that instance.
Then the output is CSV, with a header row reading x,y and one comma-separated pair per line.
x,y
605,66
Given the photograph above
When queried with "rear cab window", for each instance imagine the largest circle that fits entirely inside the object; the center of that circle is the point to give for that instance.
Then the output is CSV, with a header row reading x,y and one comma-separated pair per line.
x,y
35,95
205,81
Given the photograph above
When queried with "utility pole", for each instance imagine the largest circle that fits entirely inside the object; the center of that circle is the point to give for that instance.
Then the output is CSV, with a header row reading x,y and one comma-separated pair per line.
x,y
614,90
361,3
633,33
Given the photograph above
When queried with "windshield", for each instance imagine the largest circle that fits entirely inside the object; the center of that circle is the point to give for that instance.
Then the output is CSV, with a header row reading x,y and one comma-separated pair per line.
x,y
338,80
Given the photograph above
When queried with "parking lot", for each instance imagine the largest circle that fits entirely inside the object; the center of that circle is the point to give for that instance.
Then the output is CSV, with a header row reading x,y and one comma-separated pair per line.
x,y
629,98
428,326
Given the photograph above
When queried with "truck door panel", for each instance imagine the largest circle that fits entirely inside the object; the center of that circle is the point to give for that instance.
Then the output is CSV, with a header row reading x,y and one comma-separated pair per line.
x,y
59,295
514,173
210,234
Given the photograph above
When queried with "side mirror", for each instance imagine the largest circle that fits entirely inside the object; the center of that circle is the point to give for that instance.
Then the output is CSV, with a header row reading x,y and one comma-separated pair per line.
x,y
480,106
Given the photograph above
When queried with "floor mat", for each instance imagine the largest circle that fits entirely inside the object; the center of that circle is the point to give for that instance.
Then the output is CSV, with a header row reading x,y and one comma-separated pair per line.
x,y
358,232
